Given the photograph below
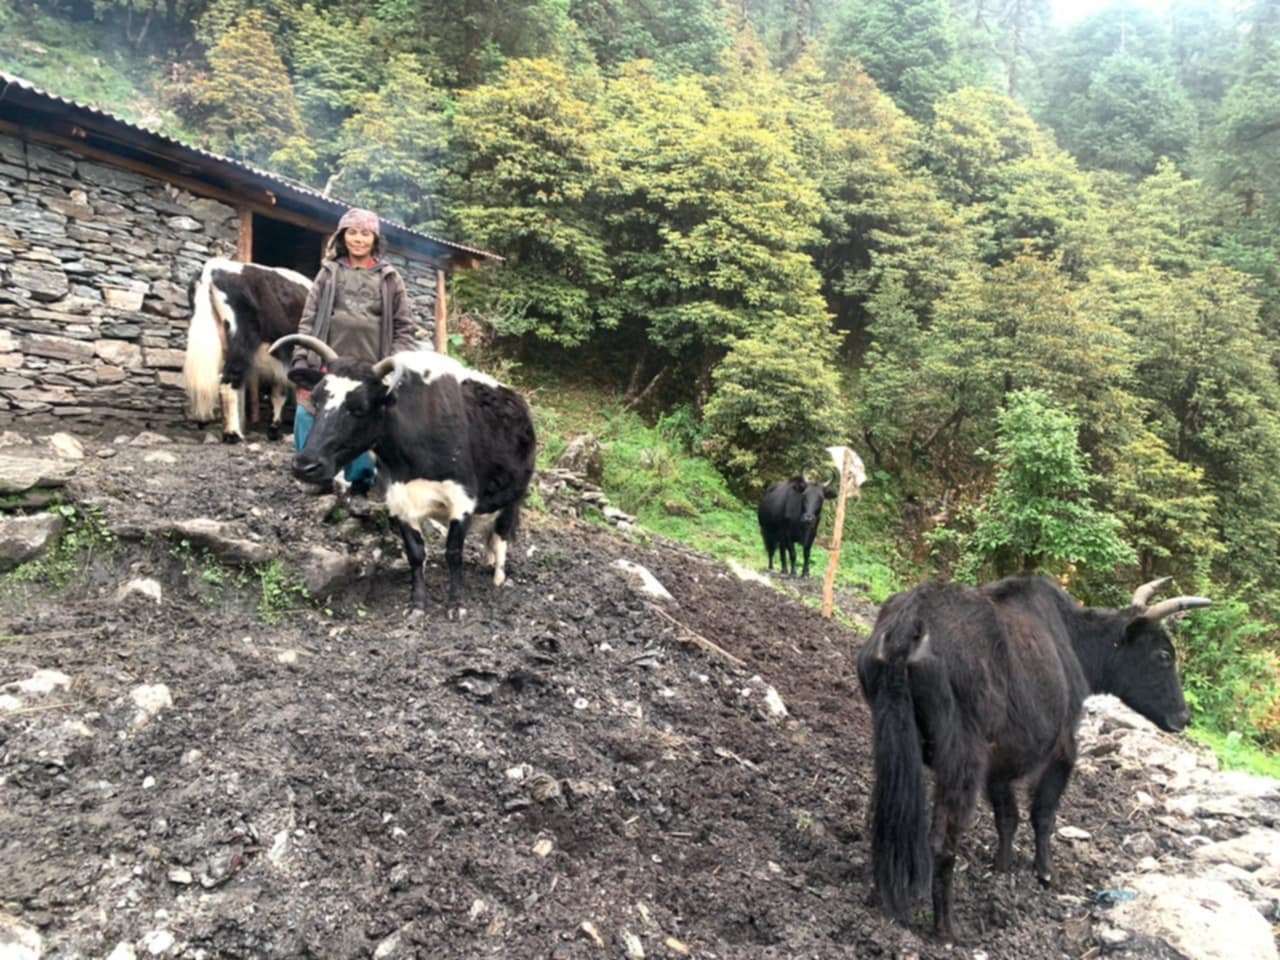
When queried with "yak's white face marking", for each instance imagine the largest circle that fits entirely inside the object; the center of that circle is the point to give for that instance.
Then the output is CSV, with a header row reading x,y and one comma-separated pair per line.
x,y
429,365
336,391
417,501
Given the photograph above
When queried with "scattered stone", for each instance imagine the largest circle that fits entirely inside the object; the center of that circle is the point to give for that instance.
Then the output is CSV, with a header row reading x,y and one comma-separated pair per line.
x,y
1192,915
150,700
18,474
589,929
66,446
142,587
1073,833
23,539
543,847
158,942
19,941
43,682
642,581
631,945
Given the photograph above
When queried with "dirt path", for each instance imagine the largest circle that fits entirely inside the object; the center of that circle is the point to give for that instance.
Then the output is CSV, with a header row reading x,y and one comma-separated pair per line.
x,y
566,772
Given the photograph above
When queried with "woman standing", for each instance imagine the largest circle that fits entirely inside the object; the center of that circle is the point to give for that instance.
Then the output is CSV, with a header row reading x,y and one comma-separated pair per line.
x,y
358,306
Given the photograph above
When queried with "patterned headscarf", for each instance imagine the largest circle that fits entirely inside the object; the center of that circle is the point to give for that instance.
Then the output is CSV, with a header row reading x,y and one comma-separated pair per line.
x,y
360,219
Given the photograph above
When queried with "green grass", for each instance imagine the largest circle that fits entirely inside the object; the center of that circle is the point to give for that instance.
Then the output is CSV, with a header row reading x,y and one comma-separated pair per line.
x,y
650,472
1236,753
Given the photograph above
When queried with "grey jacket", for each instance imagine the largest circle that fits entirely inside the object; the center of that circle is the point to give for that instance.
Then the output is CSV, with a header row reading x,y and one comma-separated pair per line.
x,y
398,325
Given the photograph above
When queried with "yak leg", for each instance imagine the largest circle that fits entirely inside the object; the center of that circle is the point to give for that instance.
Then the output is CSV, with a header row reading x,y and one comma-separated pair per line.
x,y
953,806
807,544
453,555
503,527
232,414
278,396
1044,805
416,552
235,373
789,550
253,398
1004,805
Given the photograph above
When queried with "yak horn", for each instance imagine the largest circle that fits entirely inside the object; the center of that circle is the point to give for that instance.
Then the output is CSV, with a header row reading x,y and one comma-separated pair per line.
x,y
311,343
383,367
1176,605
1144,592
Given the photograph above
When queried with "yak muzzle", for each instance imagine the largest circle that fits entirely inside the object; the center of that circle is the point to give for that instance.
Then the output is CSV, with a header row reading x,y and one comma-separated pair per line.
x,y
311,470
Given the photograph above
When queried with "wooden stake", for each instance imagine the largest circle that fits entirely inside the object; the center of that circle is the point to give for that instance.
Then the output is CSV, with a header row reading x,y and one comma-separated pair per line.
x,y
833,555
442,329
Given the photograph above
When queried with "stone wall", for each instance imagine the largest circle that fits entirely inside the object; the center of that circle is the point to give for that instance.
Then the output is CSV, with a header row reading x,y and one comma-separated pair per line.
x,y
94,267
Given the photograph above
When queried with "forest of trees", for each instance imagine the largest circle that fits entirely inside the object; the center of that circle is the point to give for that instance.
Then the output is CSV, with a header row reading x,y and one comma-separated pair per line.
x,y
1029,270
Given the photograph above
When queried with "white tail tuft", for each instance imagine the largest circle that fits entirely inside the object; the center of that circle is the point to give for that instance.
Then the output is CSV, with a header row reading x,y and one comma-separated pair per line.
x,y
202,369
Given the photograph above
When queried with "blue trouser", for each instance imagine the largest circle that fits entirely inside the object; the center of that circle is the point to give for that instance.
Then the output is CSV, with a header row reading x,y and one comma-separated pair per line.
x,y
359,472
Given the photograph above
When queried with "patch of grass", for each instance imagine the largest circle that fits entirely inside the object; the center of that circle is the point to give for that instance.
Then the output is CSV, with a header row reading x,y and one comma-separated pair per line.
x,y
209,578
84,536
1234,752
280,595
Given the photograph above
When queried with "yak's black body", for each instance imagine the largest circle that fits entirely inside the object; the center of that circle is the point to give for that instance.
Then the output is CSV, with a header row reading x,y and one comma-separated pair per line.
x,y
985,686
450,444
789,513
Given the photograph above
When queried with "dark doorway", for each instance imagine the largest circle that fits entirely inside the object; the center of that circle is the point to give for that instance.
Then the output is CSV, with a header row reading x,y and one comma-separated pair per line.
x,y
280,244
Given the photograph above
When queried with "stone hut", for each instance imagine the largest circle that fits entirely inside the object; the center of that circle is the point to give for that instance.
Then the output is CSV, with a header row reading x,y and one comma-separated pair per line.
x,y
103,224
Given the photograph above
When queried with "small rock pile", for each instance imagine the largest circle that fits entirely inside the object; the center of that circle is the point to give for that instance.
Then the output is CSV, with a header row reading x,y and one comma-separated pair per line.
x,y
572,486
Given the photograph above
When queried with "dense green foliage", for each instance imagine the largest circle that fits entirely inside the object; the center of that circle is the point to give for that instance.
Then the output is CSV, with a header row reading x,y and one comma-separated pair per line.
x,y
1029,270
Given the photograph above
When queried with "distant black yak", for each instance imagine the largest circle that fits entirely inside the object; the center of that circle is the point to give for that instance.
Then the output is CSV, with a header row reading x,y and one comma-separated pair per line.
x,y
985,686
788,515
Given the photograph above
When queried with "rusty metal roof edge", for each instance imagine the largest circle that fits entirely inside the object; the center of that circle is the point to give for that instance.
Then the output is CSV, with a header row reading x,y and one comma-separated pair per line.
x,y
279,180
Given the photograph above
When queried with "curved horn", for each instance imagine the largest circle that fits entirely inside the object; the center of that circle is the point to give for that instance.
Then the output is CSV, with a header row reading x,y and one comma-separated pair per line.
x,y
1144,592
383,367
311,343
1176,605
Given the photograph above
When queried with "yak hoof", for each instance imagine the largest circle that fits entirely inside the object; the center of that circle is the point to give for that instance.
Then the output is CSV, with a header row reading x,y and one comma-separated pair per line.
x,y
456,612
417,613
231,437
273,433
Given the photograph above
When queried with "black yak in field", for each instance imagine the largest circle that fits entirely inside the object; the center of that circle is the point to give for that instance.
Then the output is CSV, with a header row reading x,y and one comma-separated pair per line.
x,y
788,515
985,686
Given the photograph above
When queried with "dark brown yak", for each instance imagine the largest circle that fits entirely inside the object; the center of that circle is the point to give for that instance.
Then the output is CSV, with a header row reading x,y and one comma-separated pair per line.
x,y
985,686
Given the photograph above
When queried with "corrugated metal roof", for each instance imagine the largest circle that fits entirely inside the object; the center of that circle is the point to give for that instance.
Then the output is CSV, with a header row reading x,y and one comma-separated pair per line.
x,y
22,92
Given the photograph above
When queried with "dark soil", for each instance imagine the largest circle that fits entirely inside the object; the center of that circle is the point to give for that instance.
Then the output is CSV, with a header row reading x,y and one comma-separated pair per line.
x,y
566,762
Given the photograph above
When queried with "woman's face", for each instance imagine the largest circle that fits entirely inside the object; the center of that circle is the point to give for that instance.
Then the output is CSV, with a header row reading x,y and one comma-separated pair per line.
x,y
359,242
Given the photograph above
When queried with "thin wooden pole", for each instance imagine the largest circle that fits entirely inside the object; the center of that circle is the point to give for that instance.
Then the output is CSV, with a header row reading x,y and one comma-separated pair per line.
x,y
244,238
833,555
442,331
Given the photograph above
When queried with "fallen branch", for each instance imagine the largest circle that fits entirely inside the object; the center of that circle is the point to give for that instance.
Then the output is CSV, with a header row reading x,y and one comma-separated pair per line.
x,y
702,641
43,706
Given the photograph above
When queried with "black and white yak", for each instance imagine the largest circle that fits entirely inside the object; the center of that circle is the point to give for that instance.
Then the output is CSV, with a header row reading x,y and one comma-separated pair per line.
x,y
985,686
237,309
451,443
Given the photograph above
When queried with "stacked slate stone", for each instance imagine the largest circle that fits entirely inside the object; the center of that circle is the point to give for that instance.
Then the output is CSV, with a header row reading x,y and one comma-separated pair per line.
x,y
94,267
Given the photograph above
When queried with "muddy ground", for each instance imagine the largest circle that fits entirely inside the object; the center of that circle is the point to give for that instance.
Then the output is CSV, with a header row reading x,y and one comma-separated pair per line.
x,y
568,771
